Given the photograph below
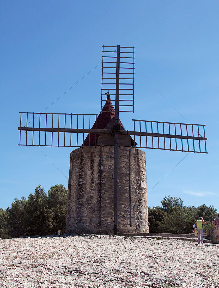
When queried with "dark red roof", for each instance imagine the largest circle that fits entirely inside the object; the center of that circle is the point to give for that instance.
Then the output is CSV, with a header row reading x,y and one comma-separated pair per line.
x,y
105,116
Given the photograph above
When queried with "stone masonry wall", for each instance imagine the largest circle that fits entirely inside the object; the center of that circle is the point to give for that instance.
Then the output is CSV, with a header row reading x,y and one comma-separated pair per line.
x,y
91,191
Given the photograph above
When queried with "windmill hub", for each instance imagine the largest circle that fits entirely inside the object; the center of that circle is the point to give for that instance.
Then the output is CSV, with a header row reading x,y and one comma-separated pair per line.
x,y
116,128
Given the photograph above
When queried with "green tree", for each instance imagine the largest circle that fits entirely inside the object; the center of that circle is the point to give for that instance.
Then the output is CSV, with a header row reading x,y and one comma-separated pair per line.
x,y
169,204
174,215
57,203
4,227
155,217
38,216
179,221
208,213
16,217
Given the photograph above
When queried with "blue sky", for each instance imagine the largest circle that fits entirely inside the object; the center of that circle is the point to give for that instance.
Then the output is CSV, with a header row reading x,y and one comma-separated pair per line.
x,y
47,46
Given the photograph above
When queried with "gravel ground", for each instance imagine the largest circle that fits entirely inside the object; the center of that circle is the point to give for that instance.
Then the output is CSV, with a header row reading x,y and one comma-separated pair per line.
x,y
107,261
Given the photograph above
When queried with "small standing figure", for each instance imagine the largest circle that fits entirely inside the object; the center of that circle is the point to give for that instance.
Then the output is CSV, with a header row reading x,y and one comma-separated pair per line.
x,y
216,229
216,222
199,224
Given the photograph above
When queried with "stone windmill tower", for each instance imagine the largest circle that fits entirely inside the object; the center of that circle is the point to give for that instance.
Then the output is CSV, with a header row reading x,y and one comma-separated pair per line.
x,y
91,182
107,176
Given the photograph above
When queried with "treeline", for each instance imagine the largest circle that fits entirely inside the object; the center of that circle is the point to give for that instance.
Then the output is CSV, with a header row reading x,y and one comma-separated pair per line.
x,y
41,214
174,217
45,213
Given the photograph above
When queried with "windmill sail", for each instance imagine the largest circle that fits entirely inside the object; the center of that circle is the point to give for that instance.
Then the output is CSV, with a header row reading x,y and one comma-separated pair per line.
x,y
170,136
126,76
54,129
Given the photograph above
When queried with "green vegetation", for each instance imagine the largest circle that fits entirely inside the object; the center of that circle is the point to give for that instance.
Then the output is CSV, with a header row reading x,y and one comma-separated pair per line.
x,y
174,217
44,214
40,214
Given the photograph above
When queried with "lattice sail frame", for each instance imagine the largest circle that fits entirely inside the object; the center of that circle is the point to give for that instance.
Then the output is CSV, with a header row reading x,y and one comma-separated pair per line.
x,y
126,76
54,129
170,136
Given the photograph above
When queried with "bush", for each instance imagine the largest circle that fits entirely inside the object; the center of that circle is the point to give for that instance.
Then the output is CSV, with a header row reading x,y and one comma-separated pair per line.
x,y
38,215
174,217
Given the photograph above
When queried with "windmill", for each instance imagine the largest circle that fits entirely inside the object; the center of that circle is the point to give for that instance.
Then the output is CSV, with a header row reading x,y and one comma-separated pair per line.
x,y
108,135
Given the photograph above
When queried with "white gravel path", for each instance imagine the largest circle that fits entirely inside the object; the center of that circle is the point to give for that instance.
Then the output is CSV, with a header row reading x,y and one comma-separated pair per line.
x,y
107,261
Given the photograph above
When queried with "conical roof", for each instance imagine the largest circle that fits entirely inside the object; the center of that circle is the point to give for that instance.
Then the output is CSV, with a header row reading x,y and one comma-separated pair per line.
x,y
106,116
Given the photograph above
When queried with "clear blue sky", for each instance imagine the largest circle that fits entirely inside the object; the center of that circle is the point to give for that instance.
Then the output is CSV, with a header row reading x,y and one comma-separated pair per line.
x,y
47,46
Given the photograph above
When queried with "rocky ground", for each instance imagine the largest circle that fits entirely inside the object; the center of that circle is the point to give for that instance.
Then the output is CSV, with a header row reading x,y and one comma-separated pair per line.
x,y
107,261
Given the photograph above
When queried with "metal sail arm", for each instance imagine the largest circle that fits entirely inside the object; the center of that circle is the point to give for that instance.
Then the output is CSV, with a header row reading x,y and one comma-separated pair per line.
x,y
147,134
169,136
66,130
